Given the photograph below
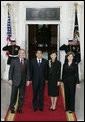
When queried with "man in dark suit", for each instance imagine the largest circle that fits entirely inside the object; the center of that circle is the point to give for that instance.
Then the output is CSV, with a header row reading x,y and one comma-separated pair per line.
x,y
18,74
13,50
38,76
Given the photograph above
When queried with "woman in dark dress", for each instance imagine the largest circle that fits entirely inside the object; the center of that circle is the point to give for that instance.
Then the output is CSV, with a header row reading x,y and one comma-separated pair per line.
x,y
54,70
70,78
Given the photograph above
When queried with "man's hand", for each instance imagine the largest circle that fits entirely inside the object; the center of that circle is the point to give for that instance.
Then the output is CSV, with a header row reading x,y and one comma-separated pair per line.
x,y
78,86
46,81
28,83
10,82
58,83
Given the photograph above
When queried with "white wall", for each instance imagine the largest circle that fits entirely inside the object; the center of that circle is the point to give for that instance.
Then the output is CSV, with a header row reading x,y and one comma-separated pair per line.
x,y
18,21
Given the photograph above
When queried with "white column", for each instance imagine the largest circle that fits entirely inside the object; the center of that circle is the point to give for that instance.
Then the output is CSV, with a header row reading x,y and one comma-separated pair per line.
x,y
81,65
26,41
58,41
4,13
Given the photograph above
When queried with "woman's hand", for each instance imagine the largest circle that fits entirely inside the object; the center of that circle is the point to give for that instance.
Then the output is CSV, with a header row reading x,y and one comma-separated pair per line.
x,y
58,83
46,81
78,86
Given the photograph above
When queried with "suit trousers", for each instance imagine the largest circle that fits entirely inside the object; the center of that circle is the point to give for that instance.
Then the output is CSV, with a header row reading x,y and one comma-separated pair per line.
x,y
14,93
70,96
38,88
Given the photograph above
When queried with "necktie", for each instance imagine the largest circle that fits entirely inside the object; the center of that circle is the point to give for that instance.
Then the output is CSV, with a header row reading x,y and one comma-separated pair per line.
x,y
21,64
39,63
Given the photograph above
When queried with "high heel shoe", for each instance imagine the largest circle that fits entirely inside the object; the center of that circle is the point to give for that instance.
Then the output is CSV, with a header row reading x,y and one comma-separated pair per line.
x,y
53,109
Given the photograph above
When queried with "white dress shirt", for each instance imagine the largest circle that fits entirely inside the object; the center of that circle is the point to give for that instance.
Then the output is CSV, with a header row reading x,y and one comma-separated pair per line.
x,y
39,60
22,60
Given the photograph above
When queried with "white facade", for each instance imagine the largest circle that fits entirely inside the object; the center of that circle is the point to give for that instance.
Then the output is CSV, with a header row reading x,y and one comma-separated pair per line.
x,y
19,23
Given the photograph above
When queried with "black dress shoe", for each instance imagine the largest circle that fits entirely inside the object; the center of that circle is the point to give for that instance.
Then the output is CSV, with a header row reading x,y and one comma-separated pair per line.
x,y
70,112
41,109
19,111
66,110
12,111
34,110
53,109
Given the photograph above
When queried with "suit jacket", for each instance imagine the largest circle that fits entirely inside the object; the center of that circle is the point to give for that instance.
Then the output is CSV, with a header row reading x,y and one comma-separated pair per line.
x,y
37,73
54,71
70,73
16,74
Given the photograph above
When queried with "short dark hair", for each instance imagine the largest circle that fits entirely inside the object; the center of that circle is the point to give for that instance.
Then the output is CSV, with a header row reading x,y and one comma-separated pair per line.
x,y
39,50
52,52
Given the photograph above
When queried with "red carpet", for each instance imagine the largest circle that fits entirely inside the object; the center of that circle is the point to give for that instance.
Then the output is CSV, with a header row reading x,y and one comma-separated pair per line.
x,y
29,115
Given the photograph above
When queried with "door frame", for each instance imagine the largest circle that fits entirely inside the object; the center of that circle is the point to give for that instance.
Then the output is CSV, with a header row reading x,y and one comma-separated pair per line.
x,y
27,35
